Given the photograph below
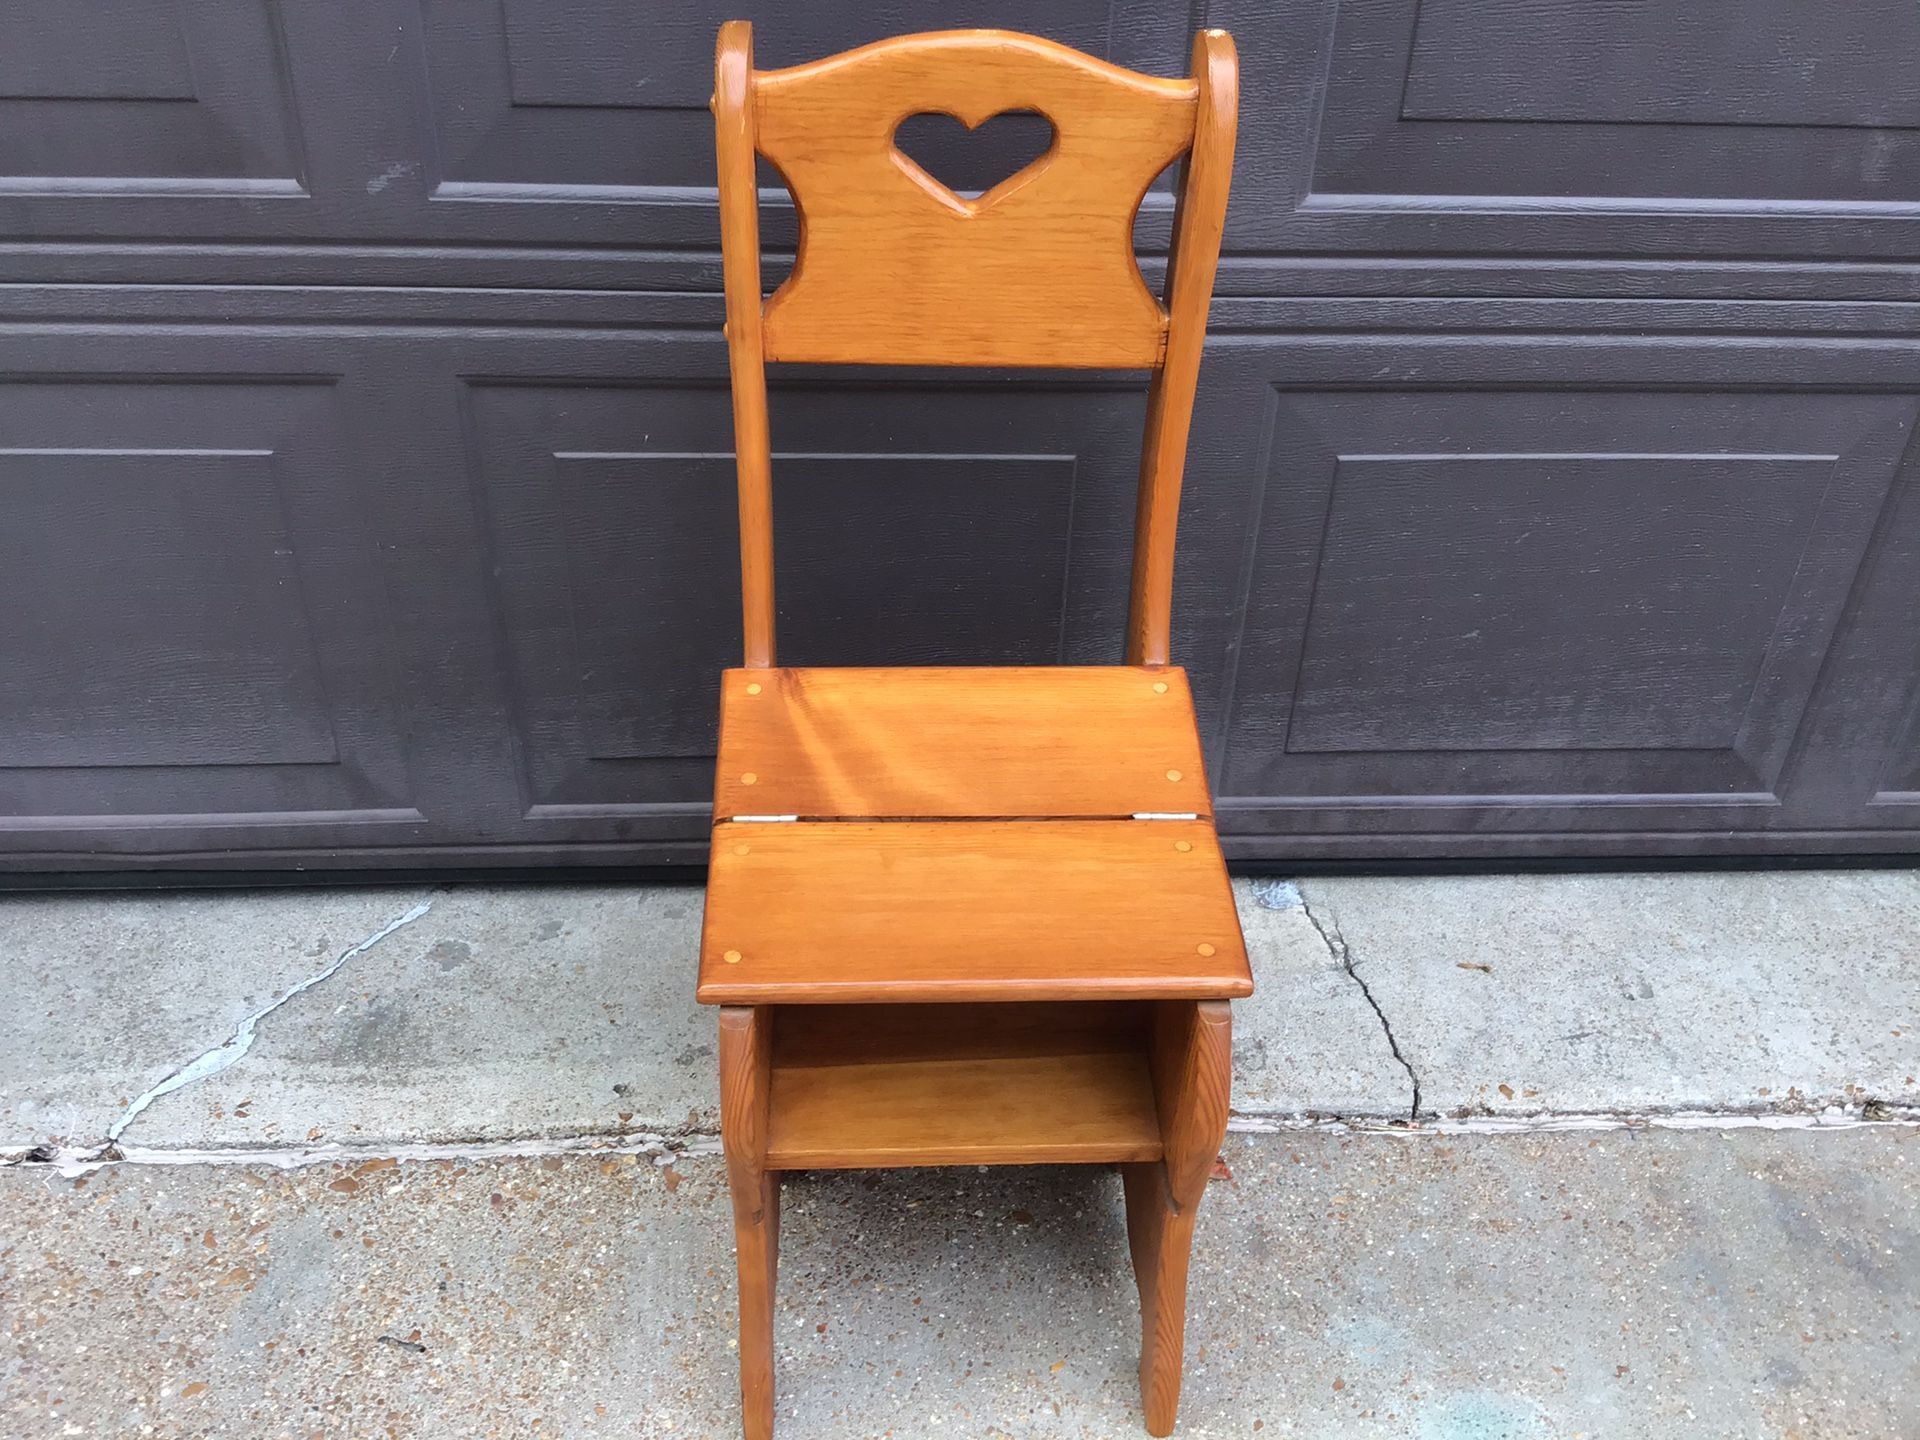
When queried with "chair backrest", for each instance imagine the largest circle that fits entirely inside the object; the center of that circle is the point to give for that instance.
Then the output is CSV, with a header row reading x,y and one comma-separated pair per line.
x,y
895,268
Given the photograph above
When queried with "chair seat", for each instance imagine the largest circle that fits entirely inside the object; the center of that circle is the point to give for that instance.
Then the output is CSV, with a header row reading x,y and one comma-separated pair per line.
x,y
1070,741
952,910
964,834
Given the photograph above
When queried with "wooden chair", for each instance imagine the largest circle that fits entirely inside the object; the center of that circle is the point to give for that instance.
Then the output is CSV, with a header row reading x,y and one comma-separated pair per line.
x,y
965,916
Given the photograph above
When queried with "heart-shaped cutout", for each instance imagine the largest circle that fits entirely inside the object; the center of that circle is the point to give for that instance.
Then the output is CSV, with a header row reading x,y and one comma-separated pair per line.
x,y
971,162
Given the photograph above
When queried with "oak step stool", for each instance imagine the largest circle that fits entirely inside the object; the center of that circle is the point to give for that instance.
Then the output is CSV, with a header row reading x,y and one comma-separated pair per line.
x,y
971,915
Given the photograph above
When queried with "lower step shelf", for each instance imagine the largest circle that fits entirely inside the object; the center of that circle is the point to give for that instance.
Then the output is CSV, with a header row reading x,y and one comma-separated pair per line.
x,y
1012,1084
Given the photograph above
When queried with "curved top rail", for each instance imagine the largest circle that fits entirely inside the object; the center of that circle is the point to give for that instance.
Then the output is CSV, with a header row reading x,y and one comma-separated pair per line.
x,y
894,267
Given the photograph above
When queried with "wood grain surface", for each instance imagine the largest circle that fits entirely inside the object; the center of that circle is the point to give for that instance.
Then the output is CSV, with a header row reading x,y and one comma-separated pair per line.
x,y
1042,1109
1199,220
1078,741
1192,1066
746,365
875,1035
895,268
969,910
963,1084
746,1041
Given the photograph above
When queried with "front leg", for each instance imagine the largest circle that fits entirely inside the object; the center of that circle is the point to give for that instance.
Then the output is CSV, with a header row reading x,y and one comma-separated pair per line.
x,y
1192,1061
746,1051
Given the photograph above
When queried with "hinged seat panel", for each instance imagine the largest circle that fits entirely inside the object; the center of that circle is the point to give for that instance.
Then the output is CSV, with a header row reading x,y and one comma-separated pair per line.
x,y
983,742
969,910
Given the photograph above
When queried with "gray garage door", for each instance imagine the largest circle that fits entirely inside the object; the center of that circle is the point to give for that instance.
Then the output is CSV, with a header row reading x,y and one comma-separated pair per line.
x,y
364,478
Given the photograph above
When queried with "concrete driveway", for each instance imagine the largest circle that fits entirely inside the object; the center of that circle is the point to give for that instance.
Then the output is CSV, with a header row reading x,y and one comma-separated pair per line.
x,y
1624,1155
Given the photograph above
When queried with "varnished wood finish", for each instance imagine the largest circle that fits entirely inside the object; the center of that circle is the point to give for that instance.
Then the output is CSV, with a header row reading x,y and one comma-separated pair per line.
x,y
896,268
1192,1065
969,910
965,1112
1088,741
882,1034
740,269
1199,218
937,934
1160,1237
859,1085
1192,1060
746,1048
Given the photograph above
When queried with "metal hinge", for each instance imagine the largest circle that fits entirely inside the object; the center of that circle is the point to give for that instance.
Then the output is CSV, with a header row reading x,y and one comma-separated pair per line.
x,y
764,819
1165,815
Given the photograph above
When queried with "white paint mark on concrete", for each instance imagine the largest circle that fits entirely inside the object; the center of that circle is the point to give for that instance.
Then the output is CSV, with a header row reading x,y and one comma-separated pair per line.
x,y
1270,894
1832,1118
229,1050
1295,1124
73,1161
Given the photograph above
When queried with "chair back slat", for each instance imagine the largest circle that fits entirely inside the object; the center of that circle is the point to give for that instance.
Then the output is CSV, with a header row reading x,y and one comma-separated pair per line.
x,y
895,268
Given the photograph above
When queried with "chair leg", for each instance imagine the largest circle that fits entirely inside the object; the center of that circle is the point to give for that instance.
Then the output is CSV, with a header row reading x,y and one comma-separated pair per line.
x,y
1192,1059
746,1050
756,1240
1161,1237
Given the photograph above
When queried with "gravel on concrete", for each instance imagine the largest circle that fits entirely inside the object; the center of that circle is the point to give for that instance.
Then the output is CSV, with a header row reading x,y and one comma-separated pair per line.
x,y
1633,1284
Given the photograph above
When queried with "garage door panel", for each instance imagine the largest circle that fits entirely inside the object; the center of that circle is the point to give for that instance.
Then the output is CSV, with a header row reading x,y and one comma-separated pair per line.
x,y
1569,61
1564,602
131,98
195,630
1655,103
173,574
1897,800
1595,132
111,50
531,96
1860,760
516,143
600,576
367,460
1650,588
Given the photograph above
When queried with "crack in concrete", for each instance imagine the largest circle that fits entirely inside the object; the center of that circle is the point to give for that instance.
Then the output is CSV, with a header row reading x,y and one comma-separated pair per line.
x,y
229,1051
1342,954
